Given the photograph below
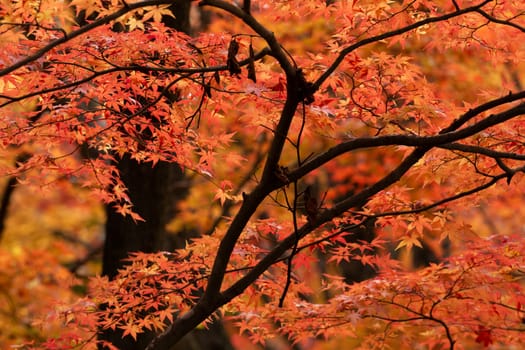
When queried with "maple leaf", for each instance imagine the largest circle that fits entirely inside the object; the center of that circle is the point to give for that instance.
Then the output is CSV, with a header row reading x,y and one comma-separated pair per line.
x,y
132,329
484,336
303,260
126,209
157,12
353,317
134,23
409,242
223,193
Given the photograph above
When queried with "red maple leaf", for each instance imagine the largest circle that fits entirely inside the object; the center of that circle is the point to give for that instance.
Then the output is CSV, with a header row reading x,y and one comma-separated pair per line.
x,y
484,336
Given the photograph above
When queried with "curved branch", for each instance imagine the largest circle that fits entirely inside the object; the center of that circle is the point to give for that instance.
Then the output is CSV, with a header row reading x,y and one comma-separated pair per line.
x,y
463,194
500,21
97,23
58,88
214,299
252,201
293,83
471,113
391,34
408,140
482,150
276,49
135,68
355,201
420,316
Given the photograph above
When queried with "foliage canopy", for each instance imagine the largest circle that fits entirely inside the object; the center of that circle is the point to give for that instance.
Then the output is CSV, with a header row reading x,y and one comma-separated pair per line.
x,y
303,124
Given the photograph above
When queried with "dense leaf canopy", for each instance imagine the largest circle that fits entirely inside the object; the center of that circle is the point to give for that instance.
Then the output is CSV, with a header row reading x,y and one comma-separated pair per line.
x,y
356,170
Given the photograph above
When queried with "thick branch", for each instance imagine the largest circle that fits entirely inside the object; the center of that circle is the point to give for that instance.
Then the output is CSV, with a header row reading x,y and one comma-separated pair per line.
x,y
249,205
292,83
362,197
407,140
213,298
276,49
202,310
355,201
471,113
252,201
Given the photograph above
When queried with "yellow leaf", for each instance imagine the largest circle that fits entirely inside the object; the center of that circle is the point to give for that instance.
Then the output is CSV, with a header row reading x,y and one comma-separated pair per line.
x,y
409,242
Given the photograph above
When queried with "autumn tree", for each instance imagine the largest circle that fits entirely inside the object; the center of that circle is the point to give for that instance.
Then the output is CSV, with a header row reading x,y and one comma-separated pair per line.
x,y
316,134
154,190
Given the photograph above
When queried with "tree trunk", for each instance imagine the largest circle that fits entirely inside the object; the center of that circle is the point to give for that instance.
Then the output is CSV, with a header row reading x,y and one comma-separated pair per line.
x,y
154,192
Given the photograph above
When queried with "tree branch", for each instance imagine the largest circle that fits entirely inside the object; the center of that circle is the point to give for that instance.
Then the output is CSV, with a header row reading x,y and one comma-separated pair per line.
x,y
391,34
462,194
354,201
407,140
213,298
252,201
80,31
500,21
277,51
175,330
133,68
482,150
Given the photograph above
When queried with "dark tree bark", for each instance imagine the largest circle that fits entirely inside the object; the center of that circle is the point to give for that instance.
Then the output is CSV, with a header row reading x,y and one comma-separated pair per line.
x,y
154,192
4,202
